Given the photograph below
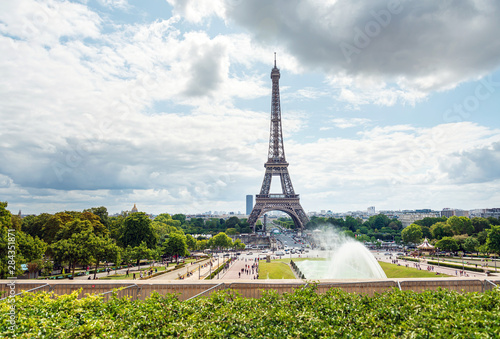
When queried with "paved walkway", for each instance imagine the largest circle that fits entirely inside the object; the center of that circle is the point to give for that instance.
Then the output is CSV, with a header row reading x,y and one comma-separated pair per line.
x,y
132,270
172,273
423,266
198,271
235,270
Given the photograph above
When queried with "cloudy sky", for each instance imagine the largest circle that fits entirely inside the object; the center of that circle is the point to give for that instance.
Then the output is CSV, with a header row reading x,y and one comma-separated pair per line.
x,y
166,103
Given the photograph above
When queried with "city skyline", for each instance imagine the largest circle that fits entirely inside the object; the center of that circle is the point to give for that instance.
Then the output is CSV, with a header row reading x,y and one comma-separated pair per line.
x,y
166,104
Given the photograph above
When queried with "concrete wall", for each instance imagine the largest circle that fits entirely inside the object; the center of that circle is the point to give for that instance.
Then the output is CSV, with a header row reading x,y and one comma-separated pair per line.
x,y
248,289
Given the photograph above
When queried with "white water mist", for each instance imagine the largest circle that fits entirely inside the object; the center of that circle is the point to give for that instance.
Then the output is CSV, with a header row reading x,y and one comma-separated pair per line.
x,y
346,258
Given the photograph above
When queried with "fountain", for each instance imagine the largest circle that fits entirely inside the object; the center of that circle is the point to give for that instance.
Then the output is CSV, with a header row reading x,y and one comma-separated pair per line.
x,y
348,259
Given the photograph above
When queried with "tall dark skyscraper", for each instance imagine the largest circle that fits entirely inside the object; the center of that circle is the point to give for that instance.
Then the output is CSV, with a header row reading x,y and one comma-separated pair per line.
x,y
249,204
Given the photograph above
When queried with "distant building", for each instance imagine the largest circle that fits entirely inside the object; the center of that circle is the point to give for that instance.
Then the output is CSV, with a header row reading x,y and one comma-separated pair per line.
x,y
249,204
134,209
485,213
409,218
450,212
371,210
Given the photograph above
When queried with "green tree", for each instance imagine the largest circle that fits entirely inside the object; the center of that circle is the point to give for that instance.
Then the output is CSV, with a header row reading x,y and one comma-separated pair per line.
x,y
175,245
16,246
440,230
180,217
163,225
128,255
349,233
493,240
412,234
482,237
362,238
231,231
460,239
460,225
364,230
221,241
141,252
98,227
426,232
115,227
494,221
429,221
238,245
447,244
31,248
8,244
101,212
137,228
53,225
352,223
104,249
480,224
73,227
190,242
395,225
201,244
471,244
232,222
77,249
377,221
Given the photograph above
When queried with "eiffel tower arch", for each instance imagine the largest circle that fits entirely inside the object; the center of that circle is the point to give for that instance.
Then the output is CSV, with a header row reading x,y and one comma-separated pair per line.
x,y
277,166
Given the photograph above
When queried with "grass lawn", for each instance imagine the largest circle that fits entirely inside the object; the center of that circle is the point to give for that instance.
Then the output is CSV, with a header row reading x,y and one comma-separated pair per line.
x,y
279,269
287,260
395,271
275,270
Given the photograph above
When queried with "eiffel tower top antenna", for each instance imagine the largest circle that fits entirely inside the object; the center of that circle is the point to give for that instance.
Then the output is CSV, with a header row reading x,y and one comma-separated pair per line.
x,y
274,59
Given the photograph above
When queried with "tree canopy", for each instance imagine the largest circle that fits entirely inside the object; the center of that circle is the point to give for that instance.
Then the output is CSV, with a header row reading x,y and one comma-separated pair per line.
x,y
137,227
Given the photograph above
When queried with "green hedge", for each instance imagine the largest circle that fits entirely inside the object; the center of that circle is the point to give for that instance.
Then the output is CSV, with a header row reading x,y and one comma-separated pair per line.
x,y
214,273
301,314
409,259
457,266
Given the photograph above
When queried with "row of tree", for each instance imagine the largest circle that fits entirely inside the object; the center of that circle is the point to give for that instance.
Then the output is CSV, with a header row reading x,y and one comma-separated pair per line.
x,y
91,237
448,234
377,227
456,234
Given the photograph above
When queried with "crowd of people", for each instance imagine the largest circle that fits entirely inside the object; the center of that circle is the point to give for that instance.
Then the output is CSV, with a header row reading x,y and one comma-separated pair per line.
x,y
251,270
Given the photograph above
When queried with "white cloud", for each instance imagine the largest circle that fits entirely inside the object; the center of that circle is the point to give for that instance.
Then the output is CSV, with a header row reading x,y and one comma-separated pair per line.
x,y
408,49
393,164
101,113
45,22
197,11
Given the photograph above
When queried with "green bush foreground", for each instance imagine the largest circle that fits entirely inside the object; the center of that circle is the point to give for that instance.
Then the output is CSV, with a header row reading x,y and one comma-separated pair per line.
x,y
302,314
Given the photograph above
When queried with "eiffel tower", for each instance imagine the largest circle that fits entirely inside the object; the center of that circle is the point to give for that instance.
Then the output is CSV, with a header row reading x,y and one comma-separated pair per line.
x,y
276,165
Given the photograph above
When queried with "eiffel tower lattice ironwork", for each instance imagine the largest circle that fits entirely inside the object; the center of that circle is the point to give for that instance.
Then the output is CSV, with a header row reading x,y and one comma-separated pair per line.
x,y
287,201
